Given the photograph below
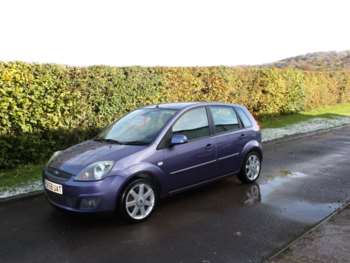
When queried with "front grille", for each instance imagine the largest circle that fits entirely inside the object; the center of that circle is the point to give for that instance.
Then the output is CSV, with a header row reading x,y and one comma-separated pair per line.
x,y
57,173
63,199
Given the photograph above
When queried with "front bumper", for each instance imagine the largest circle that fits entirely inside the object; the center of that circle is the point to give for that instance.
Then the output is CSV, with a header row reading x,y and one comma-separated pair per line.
x,y
85,197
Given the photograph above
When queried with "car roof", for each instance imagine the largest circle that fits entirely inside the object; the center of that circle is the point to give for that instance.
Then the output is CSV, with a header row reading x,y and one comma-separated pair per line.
x,y
183,105
175,106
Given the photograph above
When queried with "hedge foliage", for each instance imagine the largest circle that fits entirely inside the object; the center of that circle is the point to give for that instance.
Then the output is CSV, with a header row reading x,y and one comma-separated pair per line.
x,y
48,107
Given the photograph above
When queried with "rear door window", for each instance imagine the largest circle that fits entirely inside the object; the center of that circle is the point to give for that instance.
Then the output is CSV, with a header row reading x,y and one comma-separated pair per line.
x,y
224,118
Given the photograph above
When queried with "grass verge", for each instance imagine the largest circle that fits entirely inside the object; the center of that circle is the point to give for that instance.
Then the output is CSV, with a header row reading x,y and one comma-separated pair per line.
x,y
339,110
21,175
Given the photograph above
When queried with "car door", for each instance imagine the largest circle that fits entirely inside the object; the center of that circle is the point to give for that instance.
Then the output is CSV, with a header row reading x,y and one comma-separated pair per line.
x,y
229,138
192,162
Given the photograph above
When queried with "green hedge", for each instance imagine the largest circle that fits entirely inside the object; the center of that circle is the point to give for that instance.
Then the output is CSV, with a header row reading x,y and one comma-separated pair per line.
x,y
48,107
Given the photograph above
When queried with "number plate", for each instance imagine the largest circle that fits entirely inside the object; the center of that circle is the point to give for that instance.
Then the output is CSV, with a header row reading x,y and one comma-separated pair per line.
x,y
53,187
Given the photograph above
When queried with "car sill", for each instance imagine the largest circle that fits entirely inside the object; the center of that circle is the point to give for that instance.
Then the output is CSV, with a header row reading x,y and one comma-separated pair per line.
x,y
176,191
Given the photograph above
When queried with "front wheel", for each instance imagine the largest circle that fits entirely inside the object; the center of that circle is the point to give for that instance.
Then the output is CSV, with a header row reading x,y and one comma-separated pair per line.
x,y
251,168
138,200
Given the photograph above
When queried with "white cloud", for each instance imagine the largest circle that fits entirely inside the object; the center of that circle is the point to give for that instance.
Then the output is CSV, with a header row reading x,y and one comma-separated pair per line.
x,y
163,32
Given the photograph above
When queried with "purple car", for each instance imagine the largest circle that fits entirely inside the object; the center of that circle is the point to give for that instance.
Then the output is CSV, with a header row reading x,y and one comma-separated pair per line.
x,y
154,152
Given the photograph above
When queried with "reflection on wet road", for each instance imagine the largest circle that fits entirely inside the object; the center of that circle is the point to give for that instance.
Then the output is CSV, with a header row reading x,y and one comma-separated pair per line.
x,y
293,207
302,182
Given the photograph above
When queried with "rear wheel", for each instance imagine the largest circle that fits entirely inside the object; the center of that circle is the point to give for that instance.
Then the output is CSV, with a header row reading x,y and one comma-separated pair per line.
x,y
251,168
138,200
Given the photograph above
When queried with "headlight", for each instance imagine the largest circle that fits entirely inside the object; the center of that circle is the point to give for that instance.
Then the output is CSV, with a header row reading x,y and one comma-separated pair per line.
x,y
55,154
95,171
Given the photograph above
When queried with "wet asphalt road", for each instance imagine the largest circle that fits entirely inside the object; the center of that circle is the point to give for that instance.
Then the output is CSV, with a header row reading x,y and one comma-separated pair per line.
x,y
303,181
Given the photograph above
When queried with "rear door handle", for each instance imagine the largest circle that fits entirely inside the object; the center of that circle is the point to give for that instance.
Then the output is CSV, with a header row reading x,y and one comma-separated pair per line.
x,y
209,146
242,136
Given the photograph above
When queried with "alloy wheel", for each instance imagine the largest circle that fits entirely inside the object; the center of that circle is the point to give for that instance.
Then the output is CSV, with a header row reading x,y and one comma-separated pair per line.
x,y
252,167
140,201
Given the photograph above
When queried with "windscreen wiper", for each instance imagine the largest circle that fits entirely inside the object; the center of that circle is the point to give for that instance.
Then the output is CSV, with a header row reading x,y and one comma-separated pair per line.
x,y
107,140
135,143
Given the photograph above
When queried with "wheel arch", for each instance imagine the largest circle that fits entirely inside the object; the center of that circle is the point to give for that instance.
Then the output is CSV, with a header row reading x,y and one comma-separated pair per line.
x,y
258,150
143,174
253,146
149,176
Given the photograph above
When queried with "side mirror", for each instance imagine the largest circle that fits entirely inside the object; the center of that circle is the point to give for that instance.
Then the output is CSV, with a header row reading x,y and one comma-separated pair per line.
x,y
178,139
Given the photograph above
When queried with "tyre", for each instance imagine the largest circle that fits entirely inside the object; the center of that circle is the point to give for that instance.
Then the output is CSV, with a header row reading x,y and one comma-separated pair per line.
x,y
138,200
251,168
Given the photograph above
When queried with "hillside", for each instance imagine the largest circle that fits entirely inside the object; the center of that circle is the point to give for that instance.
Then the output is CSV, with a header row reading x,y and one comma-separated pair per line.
x,y
317,61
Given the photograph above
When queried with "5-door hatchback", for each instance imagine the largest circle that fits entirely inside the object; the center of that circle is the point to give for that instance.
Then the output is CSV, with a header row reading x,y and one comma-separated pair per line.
x,y
154,152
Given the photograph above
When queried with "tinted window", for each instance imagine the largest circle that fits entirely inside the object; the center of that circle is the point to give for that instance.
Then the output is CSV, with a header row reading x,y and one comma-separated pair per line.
x,y
244,118
193,124
225,118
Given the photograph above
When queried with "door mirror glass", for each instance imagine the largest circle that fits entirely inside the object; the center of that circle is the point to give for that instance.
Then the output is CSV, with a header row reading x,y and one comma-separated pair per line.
x,y
178,139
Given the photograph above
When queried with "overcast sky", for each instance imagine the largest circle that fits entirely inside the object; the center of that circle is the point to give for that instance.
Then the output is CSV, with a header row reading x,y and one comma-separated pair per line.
x,y
164,32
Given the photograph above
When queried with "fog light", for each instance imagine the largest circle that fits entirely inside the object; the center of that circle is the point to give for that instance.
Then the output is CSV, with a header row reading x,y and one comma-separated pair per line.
x,y
91,202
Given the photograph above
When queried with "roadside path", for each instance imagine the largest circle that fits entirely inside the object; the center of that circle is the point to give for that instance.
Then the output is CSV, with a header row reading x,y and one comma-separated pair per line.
x,y
329,242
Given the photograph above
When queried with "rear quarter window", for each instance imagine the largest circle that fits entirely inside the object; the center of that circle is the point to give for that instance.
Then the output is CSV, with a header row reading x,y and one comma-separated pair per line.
x,y
247,123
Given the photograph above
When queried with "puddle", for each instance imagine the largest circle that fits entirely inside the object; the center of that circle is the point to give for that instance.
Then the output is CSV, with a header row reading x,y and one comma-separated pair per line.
x,y
273,194
258,193
292,174
252,195
284,173
304,211
272,183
